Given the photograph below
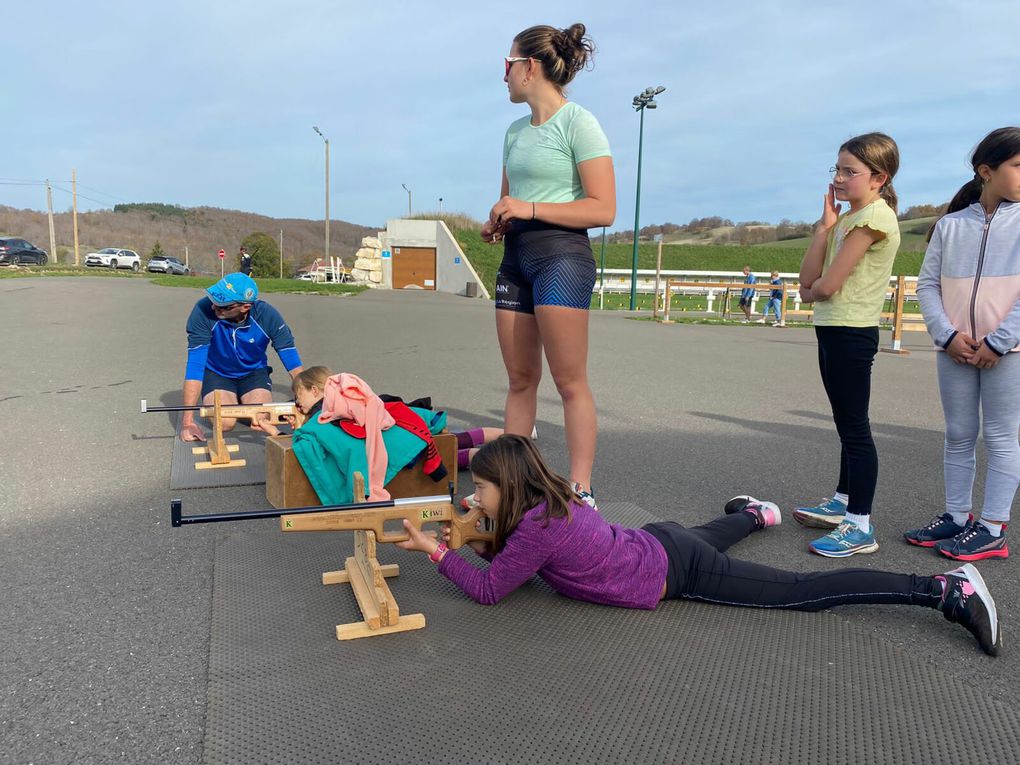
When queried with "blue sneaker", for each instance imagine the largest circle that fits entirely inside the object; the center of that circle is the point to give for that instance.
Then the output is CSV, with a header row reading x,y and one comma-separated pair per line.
x,y
827,514
845,540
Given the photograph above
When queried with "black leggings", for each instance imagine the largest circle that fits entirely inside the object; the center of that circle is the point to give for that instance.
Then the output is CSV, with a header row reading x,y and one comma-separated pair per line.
x,y
700,569
845,356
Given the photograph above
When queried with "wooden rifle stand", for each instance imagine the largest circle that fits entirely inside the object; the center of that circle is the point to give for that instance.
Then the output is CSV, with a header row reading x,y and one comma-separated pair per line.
x,y
217,449
368,580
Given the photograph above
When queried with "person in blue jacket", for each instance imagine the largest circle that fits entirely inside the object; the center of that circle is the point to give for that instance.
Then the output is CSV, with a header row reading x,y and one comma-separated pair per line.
x,y
229,331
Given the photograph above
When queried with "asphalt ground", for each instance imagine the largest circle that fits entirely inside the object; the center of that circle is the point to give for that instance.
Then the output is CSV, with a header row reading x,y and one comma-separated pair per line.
x,y
104,609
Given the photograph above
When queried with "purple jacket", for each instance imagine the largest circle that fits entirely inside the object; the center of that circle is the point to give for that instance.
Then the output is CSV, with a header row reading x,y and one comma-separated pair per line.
x,y
585,558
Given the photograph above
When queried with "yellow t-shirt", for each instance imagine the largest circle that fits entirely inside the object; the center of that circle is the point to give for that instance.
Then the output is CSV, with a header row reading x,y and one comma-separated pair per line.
x,y
859,301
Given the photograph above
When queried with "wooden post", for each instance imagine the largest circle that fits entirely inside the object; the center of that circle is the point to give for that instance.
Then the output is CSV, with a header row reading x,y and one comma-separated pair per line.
x,y
658,272
49,211
897,330
74,215
379,610
667,300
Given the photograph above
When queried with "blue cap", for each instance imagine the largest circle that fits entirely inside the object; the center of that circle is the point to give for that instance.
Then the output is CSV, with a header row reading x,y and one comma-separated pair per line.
x,y
233,288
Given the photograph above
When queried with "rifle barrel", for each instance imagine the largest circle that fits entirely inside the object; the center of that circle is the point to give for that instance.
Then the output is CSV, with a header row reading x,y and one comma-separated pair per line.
x,y
177,518
145,408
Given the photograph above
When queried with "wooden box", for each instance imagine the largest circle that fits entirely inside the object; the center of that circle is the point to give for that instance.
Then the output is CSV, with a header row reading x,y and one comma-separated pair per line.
x,y
287,485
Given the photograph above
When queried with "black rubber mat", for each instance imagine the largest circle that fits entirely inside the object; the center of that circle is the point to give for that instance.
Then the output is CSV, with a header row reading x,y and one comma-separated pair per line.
x,y
252,443
542,679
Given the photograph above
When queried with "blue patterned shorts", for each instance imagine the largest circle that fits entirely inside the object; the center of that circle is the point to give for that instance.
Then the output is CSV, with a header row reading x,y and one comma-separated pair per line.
x,y
545,265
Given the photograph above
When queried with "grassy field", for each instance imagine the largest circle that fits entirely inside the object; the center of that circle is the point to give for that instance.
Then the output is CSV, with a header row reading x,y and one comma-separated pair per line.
x,y
786,258
195,282
909,241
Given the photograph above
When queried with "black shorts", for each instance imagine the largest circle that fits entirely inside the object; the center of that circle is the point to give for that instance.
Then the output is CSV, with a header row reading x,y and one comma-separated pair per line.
x,y
237,385
745,301
545,265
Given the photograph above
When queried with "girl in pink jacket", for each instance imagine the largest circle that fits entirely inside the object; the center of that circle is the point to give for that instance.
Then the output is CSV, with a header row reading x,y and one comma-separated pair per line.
x,y
969,290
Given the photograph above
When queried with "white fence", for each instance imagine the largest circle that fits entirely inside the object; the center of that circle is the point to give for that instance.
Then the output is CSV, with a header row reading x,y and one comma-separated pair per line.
x,y
617,280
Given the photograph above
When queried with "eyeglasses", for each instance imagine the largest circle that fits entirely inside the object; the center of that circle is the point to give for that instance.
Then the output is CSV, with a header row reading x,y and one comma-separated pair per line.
x,y
846,173
511,60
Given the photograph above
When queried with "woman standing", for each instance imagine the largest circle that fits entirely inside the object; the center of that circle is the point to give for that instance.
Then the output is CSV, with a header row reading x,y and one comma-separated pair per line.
x,y
558,182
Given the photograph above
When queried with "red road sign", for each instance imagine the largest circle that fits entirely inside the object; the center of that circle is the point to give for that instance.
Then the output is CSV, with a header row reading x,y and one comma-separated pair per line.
x,y
223,254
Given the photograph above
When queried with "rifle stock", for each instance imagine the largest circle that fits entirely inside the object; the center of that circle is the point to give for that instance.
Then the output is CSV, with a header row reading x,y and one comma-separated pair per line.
x,y
462,524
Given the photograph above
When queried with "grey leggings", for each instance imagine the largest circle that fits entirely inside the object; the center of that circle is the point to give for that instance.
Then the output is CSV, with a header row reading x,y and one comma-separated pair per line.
x,y
996,393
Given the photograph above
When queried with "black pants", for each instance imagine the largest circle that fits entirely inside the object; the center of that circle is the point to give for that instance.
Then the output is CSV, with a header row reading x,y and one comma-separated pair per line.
x,y
700,569
845,357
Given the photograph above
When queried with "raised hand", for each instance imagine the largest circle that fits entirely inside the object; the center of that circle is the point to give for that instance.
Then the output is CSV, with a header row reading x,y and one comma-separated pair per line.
x,y
830,209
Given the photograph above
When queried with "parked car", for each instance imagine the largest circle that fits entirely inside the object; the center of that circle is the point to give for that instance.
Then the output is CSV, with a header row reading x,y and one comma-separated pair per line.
x,y
14,252
114,257
167,265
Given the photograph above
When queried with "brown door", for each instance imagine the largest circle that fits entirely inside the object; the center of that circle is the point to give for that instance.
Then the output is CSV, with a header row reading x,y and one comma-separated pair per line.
x,y
414,267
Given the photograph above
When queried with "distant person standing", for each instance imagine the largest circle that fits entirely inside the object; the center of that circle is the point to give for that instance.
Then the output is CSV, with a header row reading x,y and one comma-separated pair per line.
x,y
747,294
557,183
245,262
775,302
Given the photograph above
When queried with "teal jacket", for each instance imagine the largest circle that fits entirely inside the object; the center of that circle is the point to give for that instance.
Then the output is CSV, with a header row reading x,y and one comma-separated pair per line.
x,y
330,457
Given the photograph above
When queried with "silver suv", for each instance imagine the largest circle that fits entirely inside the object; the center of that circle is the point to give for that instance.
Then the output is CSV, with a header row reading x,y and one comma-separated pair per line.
x,y
167,265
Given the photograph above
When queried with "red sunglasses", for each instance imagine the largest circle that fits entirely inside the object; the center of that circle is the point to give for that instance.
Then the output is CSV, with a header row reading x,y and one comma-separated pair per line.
x,y
511,60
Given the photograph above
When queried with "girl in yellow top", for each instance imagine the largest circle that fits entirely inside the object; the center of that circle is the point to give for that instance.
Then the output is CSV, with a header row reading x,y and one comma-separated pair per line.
x,y
845,273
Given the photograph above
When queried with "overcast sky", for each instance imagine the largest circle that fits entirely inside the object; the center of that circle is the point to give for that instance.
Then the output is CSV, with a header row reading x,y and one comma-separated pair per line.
x,y
213,103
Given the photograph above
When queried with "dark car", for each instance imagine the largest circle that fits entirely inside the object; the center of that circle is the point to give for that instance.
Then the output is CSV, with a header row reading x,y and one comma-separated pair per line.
x,y
167,265
14,252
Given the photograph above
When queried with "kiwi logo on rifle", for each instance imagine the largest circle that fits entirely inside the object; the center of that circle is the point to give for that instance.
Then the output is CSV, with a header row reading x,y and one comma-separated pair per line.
x,y
431,512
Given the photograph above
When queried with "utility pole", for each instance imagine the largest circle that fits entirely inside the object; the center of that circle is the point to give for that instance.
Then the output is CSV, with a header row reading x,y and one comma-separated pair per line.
x,y
49,212
316,129
74,215
186,262
281,253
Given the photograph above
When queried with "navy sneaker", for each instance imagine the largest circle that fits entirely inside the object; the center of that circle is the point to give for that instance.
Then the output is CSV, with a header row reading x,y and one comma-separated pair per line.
x,y
941,527
845,540
974,543
967,601
827,514
765,513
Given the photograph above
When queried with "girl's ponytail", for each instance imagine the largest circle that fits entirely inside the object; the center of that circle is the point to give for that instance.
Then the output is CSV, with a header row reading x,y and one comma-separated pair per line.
x,y
994,149
888,193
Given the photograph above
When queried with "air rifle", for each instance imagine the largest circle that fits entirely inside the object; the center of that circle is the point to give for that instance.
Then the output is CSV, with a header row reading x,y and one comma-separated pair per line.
x,y
268,416
359,516
367,578
274,413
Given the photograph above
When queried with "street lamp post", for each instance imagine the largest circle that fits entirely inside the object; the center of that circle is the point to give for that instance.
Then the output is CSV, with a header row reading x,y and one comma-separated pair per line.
x,y
404,185
642,101
440,205
316,129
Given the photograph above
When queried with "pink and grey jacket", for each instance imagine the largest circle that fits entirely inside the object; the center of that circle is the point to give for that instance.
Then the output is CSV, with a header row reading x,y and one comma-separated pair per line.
x,y
970,278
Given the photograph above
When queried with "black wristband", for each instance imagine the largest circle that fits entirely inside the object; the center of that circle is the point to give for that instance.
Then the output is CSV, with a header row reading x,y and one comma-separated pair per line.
x,y
993,349
533,211
950,340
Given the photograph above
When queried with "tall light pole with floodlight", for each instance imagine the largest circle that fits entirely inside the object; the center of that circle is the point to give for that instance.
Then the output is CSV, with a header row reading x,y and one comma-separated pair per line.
x,y
316,129
644,100
404,185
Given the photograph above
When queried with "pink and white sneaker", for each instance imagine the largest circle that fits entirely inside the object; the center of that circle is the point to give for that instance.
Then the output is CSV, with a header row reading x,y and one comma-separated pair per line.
x,y
765,513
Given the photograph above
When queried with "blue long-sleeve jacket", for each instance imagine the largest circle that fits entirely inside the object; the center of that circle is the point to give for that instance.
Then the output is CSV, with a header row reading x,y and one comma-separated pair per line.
x,y
235,350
